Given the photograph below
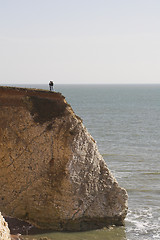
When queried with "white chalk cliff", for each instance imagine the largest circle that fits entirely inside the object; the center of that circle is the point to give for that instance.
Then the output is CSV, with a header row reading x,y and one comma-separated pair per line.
x,y
4,230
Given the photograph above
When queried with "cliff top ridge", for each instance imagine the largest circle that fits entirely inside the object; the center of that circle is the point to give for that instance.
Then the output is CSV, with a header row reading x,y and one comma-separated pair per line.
x,y
42,104
19,91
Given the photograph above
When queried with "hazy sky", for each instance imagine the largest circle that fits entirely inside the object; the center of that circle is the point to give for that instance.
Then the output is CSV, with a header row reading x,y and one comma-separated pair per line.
x,y
79,41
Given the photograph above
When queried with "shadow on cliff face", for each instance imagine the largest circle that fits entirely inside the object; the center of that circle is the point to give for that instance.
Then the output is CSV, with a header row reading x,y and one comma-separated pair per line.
x,y
18,226
44,110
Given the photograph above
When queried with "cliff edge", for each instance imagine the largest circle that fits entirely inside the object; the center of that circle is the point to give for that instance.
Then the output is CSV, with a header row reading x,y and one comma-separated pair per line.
x,y
52,174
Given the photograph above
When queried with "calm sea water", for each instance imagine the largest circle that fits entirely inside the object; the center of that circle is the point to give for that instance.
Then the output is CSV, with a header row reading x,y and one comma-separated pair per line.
x,y
125,122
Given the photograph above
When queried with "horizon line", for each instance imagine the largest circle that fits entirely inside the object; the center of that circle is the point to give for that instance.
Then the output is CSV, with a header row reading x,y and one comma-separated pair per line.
x,y
80,83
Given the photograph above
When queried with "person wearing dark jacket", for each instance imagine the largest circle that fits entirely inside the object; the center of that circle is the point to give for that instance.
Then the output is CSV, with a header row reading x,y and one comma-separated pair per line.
x,y
51,85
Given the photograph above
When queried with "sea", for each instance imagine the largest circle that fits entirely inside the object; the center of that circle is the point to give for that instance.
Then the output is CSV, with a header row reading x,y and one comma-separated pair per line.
x,y
124,120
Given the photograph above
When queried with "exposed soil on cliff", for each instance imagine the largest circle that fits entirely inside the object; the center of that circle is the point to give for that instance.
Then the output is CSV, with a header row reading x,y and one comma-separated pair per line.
x,y
43,105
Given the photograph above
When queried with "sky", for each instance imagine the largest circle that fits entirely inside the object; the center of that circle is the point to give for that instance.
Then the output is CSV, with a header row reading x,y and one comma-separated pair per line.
x,y
80,41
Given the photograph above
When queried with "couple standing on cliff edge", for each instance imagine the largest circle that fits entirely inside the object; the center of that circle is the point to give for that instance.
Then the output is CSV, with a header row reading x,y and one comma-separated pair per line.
x,y
51,84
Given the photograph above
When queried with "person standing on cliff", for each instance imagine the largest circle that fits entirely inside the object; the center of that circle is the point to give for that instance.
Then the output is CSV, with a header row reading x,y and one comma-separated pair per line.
x,y
51,85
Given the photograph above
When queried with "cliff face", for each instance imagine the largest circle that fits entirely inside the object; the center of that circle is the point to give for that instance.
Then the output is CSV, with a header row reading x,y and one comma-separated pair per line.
x,y
52,174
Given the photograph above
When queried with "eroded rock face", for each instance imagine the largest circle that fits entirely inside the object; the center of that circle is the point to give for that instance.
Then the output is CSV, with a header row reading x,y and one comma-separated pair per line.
x,y
52,174
4,230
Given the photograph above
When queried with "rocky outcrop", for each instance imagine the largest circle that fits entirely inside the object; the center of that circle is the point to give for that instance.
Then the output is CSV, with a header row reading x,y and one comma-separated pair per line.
x,y
4,230
52,174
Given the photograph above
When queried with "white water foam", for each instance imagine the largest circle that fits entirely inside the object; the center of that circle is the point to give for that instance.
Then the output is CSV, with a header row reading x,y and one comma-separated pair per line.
x,y
143,224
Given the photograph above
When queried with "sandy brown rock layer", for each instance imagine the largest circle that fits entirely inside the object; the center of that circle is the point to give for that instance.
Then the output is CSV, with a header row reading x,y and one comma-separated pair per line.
x,y
52,174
